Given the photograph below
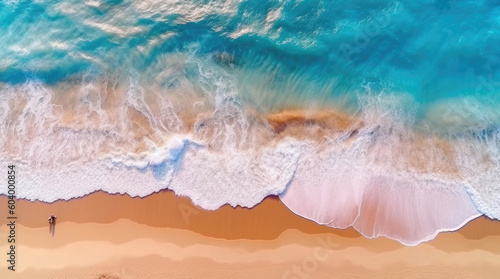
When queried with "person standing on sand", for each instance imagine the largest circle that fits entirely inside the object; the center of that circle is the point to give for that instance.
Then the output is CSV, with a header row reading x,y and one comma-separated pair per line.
x,y
52,223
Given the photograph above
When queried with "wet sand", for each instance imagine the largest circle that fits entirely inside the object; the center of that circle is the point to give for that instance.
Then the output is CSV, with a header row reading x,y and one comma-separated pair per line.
x,y
165,236
164,209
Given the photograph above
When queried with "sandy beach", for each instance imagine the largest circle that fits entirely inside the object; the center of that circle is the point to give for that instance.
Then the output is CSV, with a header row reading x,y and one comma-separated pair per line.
x,y
249,139
165,236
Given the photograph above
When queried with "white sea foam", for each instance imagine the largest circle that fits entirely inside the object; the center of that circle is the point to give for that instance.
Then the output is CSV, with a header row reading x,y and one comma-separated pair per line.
x,y
209,179
479,162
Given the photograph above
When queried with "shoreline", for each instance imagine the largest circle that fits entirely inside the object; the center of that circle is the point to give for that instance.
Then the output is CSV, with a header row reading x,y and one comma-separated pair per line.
x,y
179,212
183,214
102,236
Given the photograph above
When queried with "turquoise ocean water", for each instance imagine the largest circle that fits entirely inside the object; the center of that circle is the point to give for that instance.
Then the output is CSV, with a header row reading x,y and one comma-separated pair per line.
x,y
429,49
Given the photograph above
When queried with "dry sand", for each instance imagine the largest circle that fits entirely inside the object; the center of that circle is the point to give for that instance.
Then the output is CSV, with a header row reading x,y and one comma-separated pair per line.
x,y
164,236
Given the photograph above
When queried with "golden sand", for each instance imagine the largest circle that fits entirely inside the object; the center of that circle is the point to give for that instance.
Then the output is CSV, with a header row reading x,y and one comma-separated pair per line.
x,y
165,236
165,209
